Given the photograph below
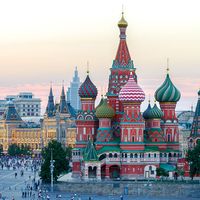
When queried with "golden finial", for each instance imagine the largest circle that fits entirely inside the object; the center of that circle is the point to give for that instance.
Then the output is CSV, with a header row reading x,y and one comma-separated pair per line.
x,y
167,65
122,22
87,67
149,99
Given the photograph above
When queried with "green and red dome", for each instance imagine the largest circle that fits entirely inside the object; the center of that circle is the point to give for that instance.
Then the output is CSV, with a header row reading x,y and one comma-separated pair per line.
x,y
167,92
87,89
105,110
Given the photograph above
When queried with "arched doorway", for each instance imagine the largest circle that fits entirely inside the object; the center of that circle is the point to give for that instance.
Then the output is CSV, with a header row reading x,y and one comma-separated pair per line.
x,y
92,172
114,172
103,171
150,171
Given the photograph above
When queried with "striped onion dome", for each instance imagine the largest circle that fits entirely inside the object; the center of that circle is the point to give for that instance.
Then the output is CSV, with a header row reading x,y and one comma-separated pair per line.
x,y
155,113
87,89
105,110
167,92
131,91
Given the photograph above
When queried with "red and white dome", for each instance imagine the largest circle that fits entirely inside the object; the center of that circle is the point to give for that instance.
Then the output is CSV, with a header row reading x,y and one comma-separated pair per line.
x,y
131,92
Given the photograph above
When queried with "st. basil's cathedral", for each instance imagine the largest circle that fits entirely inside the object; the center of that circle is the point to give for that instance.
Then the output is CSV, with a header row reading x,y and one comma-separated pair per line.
x,y
115,140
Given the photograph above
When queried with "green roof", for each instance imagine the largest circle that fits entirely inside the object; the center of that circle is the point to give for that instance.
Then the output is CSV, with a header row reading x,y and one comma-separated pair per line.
x,y
90,153
109,149
168,167
167,92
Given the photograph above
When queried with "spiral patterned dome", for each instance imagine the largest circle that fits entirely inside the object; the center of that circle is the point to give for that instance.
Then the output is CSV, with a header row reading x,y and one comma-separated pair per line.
x,y
105,110
146,112
87,89
131,91
153,113
167,92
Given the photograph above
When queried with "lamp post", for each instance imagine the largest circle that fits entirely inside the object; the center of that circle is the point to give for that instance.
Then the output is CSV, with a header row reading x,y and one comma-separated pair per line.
x,y
51,169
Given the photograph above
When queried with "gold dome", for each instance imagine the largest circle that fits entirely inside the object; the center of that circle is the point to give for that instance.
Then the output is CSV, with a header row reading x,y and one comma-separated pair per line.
x,y
122,22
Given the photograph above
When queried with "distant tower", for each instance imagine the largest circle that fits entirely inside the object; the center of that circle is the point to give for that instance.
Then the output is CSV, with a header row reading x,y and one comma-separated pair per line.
x,y
50,109
195,132
72,92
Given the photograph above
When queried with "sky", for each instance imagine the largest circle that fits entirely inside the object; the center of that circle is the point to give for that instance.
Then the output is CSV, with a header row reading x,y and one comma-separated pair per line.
x,y
43,40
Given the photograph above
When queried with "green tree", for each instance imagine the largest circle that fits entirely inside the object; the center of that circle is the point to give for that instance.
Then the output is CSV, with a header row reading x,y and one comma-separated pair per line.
x,y
193,158
1,149
161,172
14,150
25,150
61,157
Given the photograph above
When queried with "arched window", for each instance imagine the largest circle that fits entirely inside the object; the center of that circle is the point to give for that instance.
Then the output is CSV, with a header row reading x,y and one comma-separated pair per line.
x,y
170,155
165,155
115,155
149,155
154,155
110,155
136,155
125,155
131,155
102,157
150,168
161,155
174,154
133,139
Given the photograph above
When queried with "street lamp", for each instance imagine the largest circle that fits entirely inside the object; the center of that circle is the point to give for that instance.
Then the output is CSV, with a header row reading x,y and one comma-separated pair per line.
x,y
51,169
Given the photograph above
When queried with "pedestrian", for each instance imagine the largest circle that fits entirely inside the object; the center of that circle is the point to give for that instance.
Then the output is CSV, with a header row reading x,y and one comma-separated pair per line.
x,y
121,197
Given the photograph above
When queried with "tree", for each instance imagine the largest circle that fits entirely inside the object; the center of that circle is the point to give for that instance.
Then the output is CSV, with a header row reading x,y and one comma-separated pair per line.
x,y
161,172
1,149
193,158
60,156
14,150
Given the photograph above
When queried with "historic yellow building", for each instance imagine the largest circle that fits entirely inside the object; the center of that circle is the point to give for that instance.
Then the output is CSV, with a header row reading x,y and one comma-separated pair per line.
x,y
58,124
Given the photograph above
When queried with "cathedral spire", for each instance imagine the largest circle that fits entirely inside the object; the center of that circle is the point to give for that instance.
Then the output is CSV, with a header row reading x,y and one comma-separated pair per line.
x,y
196,122
63,104
123,58
50,105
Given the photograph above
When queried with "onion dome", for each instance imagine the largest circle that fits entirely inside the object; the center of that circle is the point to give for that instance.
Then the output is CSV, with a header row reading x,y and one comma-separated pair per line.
x,y
105,110
131,91
122,22
87,89
155,113
101,102
167,92
147,111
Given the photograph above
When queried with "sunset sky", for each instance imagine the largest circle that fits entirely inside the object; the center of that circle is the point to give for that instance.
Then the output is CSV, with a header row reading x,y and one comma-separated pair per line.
x,y
43,40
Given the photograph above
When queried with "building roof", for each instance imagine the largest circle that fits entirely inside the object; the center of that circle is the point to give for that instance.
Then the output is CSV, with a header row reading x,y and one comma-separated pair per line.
x,y
88,89
131,91
90,153
50,109
63,108
11,113
167,92
168,167
105,110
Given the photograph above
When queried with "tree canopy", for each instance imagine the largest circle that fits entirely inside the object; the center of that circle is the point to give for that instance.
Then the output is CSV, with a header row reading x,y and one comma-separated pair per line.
x,y
60,155
161,172
193,158
15,150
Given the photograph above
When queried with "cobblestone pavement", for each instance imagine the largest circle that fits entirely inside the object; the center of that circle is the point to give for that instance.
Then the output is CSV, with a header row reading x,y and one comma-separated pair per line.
x,y
12,187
